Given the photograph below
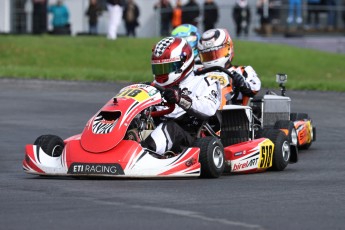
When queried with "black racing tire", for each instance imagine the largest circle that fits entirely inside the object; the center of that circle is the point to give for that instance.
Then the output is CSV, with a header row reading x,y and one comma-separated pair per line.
x,y
298,116
292,132
305,147
282,151
52,145
211,157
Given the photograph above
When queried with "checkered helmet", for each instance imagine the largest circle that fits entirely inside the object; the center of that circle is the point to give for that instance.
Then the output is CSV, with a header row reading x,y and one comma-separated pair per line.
x,y
172,60
215,48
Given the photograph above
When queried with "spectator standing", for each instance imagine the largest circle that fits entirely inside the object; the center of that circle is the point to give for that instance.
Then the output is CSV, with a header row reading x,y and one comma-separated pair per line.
x,y
210,14
295,12
39,21
265,12
130,15
343,13
165,11
331,14
241,16
190,13
115,16
177,15
93,11
313,10
60,18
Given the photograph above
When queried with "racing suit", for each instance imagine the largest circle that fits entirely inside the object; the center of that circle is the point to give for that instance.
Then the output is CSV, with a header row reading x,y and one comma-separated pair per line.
x,y
200,99
245,83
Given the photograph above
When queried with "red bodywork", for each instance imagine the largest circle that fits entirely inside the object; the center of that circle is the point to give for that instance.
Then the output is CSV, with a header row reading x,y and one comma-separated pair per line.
x,y
100,150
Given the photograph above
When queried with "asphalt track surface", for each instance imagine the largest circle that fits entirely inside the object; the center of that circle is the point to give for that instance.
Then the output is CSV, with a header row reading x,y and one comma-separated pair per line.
x,y
307,195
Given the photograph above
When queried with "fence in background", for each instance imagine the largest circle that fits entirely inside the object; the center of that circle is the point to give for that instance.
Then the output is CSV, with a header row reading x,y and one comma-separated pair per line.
x,y
21,20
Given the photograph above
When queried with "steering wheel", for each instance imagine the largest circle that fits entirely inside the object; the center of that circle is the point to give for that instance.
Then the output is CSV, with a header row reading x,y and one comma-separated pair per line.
x,y
170,108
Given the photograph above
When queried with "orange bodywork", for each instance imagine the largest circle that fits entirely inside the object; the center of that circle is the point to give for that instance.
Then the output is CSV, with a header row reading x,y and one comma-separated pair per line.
x,y
286,131
304,132
227,90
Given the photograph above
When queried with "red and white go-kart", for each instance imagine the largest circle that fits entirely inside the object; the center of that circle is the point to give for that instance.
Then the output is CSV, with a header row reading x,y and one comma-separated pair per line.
x,y
110,146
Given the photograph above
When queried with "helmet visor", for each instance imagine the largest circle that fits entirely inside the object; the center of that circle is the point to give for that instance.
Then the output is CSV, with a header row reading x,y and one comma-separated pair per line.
x,y
215,53
165,68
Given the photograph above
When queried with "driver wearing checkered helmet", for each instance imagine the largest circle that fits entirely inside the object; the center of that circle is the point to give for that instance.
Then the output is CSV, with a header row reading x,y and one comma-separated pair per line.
x,y
216,49
197,98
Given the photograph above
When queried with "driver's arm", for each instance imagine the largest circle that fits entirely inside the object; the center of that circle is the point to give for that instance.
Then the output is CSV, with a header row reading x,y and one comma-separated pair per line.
x,y
205,102
253,82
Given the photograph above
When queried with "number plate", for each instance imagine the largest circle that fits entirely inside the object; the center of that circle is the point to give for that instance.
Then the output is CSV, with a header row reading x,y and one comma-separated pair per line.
x,y
266,154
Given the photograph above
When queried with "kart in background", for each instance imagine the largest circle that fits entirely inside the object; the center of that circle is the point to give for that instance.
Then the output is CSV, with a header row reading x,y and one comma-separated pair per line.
x,y
250,143
273,110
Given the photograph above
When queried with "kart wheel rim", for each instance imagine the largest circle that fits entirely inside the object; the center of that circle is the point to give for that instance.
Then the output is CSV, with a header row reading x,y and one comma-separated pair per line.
x,y
294,137
218,157
286,151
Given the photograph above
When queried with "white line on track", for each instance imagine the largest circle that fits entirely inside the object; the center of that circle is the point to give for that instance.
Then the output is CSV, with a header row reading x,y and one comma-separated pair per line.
x,y
183,213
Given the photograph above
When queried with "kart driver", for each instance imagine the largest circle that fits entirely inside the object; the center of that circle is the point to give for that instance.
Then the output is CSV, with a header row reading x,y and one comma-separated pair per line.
x,y
192,35
197,98
216,49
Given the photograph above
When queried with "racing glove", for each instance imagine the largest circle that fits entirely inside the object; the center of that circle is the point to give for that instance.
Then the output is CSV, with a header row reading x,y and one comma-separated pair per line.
x,y
175,96
241,84
238,80
185,102
172,96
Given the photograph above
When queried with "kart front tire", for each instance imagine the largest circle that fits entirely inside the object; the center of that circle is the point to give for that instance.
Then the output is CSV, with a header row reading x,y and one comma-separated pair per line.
x,y
282,151
303,116
211,157
52,145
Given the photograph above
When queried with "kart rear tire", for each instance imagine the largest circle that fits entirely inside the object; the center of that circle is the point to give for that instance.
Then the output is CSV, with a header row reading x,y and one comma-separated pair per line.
x,y
52,145
292,132
211,157
298,116
282,151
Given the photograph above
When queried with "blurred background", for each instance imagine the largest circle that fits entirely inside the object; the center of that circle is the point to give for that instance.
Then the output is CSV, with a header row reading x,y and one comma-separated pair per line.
x,y
263,18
